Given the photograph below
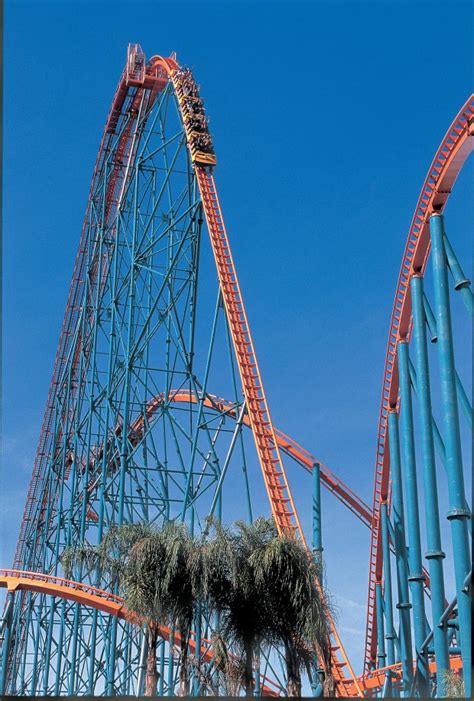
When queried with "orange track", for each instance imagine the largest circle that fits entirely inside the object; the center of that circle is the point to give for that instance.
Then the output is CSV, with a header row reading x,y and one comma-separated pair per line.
x,y
448,161
285,443
154,77
450,157
85,595
276,483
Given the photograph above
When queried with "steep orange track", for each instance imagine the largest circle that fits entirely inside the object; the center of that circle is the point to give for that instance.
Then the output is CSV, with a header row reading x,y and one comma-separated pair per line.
x,y
448,161
276,483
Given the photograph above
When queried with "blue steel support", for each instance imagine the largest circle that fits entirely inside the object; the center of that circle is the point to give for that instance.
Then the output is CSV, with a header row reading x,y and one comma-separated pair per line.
x,y
461,282
171,665
317,543
457,514
430,320
435,554
317,528
416,578
161,679
438,441
462,396
7,634
388,602
381,656
403,604
196,680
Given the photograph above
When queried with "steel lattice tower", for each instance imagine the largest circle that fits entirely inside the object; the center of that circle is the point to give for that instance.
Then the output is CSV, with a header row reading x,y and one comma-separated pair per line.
x,y
157,411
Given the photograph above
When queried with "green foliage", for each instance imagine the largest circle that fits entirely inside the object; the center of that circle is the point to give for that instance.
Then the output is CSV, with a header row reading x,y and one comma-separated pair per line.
x,y
264,588
297,606
156,571
454,685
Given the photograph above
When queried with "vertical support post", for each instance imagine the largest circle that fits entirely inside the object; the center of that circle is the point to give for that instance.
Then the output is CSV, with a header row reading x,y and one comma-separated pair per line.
x,y
435,554
59,655
171,665
142,664
317,529
380,625
317,543
161,679
457,514
197,681
388,602
413,517
403,604
110,663
7,635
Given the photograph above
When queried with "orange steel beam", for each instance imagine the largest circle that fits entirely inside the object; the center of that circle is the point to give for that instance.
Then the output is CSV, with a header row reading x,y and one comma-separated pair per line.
x,y
447,163
92,597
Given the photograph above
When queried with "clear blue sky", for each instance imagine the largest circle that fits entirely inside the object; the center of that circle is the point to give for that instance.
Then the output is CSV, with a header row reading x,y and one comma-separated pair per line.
x,y
325,118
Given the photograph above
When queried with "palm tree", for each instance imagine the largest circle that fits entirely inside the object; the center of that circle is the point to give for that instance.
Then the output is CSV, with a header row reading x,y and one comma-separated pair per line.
x,y
229,587
183,583
157,572
295,604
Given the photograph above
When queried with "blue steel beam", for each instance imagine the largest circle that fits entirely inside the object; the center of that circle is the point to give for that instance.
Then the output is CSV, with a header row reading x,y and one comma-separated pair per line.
x,y
457,514
461,281
387,592
317,520
462,396
435,554
415,578
403,604
381,654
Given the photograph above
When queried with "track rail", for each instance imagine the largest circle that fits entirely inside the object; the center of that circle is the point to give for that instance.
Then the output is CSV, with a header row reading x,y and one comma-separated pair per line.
x,y
112,604
273,471
100,600
455,147
286,445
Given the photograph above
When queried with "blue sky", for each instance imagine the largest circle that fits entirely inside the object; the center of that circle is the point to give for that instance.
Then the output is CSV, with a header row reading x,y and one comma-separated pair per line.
x,y
325,117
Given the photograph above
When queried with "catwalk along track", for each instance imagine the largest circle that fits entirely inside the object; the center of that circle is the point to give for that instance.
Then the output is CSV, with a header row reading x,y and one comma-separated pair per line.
x,y
133,431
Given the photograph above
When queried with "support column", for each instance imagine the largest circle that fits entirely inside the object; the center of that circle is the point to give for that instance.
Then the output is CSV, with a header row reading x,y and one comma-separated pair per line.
x,y
415,578
457,514
317,542
403,604
171,665
317,528
381,656
388,602
435,554
7,635
461,282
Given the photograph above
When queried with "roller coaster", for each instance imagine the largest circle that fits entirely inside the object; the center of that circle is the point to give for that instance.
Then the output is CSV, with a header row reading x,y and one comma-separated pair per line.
x,y
133,429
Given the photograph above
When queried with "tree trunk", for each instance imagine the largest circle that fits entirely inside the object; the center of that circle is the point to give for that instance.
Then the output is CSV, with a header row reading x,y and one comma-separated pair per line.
x,y
248,674
183,667
293,686
151,678
329,687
